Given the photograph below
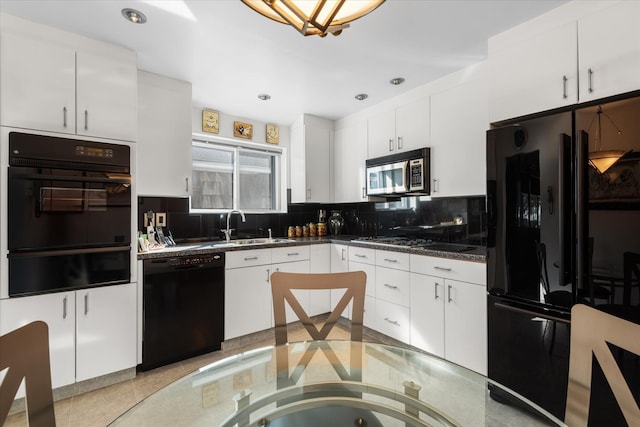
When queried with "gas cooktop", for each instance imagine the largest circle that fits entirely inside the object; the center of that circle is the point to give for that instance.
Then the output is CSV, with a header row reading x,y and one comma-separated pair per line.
x,y
409,242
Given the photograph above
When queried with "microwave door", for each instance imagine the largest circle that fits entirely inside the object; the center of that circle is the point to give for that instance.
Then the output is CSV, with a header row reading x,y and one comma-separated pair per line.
x,y
387,179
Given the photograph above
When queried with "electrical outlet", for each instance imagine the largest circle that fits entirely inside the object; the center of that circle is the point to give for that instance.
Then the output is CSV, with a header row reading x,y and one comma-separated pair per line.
x,y
161,219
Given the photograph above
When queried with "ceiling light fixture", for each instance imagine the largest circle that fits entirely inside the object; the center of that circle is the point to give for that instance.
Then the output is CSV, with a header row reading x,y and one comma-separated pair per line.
x,y
134,16
397,81
264,96
600,159
314,17
361,96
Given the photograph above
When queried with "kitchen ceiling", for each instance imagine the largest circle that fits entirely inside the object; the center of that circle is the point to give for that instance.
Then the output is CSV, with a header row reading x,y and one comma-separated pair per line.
x,y
231,54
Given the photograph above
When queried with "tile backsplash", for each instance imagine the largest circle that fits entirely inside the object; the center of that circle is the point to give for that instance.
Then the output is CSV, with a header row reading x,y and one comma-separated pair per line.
x,y
411,216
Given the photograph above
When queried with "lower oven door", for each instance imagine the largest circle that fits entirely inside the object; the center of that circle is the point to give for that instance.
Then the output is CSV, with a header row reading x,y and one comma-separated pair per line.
x,y
40,272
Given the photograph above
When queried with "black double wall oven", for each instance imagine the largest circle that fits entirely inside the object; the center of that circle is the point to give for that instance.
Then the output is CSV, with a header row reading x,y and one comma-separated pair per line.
x,y
69,214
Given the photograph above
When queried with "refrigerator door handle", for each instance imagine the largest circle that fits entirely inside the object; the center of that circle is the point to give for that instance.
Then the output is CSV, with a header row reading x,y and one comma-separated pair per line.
x,y
531,312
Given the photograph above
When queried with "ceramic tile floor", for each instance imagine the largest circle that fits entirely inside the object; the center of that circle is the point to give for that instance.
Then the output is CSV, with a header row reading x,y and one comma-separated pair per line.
x,y
100,407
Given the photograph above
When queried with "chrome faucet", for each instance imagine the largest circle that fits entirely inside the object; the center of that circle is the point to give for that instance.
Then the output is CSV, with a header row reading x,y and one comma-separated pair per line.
x,y
227,232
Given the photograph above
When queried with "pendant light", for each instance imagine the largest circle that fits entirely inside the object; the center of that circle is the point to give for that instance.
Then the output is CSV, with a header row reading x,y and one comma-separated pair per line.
x,y
600,159
314,17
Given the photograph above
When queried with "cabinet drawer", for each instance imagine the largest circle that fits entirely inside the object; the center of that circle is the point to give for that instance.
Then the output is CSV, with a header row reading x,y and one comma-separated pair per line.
x,y
370,271
365,255
289,254
238,259
397,260
393,320
465,271
393,286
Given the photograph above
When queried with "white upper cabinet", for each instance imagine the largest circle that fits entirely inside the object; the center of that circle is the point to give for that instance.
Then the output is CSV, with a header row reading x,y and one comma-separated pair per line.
x,y
536,74
107,99
55,81
579,52
350,155
459,121
164,138
401,129
37,90
609,50
311,160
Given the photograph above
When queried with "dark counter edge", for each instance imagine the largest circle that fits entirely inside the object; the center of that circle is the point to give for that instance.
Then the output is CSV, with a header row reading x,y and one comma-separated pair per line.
x,y
477,255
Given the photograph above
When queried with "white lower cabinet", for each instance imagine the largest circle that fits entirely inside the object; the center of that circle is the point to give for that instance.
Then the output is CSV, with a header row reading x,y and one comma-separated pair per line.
x,y
105,330
393,320
303,296
449,316
393,296
319,262
92,332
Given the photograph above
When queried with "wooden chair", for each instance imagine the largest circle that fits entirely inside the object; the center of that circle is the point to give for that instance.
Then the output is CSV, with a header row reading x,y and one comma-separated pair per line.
x,y
25,351
282,285
591,331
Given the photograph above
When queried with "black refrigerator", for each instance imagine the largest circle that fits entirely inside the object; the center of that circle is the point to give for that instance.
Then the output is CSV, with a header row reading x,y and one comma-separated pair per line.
x,y
550,224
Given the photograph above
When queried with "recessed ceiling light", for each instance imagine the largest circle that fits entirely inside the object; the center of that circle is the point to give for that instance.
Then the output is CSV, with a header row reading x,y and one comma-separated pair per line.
x,y
264,96
397,81
134,16
361,96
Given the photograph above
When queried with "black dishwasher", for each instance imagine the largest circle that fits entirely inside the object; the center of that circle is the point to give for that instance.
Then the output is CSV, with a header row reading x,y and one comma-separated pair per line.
x,y
183,308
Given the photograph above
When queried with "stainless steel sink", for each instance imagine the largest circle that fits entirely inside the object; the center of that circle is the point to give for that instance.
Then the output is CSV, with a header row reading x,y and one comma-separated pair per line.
x,y
248,242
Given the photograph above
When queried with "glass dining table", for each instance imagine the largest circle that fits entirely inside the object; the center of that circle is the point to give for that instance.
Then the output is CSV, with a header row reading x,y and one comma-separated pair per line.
x,y
332,383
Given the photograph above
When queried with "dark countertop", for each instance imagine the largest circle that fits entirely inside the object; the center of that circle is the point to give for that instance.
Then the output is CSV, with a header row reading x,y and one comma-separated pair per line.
x,y
475,255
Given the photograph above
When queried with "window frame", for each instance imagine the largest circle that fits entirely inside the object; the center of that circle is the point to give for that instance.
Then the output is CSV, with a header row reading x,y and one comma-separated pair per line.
x,y
235,146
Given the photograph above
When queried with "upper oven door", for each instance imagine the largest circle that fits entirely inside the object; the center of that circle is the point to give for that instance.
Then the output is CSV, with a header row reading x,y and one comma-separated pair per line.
x,y
389,178
61,209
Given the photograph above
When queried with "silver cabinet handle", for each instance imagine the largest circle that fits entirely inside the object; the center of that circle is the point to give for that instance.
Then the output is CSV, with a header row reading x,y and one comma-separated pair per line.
x,y
391,260
64,307
251,258
64,117
308,193
186,184
344,254
393,322
268,275
360,255
386,285
449,293
564,87
435,291
399,143
390,144
442,268
86,304
590,74
293,254
364,192
435,185
86,119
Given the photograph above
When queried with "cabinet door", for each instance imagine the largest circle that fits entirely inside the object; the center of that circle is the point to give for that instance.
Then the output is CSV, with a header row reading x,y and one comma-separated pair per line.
x,y
427,313
466,325
105,330
37,78
393,286
370,293
381,134
534,75
609,51
247,301
107,94
319,262
412,125
164,136
459,121
303,296
339,258
58,311
350,155
393,320
317,163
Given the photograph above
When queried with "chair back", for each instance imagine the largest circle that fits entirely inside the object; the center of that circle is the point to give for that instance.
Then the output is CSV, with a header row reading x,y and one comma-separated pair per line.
x,y
591,330
25,351
282,285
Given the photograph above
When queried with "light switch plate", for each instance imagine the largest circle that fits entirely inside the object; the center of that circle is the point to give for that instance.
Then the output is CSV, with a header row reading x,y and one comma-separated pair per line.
x,y
161,219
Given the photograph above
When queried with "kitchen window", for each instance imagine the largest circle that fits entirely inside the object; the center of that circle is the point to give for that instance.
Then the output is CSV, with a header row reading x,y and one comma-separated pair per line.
x,y
230,175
